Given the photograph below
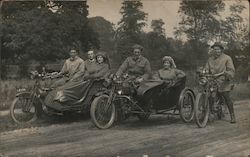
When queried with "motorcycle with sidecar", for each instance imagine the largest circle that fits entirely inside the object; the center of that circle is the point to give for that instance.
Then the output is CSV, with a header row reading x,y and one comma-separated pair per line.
x,y
125,98
29,104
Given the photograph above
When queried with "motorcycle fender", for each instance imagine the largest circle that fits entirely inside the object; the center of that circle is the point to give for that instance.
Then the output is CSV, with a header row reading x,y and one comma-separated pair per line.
x,y
23,94
101,93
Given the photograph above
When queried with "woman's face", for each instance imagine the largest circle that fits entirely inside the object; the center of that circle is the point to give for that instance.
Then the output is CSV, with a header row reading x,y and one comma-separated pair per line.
x,y
100,59
166,64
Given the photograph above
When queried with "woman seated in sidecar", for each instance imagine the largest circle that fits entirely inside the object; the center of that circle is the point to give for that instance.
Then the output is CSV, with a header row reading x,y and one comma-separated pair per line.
x,y
73,92
167,76
166,85
169,73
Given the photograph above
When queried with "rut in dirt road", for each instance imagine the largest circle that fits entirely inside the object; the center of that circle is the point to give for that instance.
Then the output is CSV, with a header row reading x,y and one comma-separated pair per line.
x,y
157,137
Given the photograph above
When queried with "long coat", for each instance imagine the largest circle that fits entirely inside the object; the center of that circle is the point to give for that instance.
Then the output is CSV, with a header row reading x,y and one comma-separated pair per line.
x,y
220,64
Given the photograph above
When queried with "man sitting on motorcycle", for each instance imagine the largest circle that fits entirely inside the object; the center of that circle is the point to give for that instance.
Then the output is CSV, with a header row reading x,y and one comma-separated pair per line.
x,y
136,66
73,69
169,72
219,62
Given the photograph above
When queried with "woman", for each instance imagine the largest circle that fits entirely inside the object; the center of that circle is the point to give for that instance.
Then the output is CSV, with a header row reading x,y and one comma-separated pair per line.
x,y
169,72
101,69
74,91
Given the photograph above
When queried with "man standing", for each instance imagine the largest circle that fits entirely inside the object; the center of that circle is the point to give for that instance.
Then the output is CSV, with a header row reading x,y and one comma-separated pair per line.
x,y
219,62
137,66
73,69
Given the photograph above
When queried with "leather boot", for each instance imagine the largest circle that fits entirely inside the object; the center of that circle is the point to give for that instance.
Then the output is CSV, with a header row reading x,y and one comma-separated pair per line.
x,y
233,120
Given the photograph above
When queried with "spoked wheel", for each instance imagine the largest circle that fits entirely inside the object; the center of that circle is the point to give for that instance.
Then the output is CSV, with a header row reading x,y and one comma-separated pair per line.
x,y
186,104
23,109
201,110
102,114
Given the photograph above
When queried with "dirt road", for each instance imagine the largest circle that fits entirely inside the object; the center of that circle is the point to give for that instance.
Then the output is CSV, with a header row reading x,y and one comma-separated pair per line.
x,y
158,137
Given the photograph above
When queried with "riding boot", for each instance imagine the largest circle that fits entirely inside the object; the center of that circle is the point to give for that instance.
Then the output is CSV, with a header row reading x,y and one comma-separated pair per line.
x,y
233,120
230,107
231,111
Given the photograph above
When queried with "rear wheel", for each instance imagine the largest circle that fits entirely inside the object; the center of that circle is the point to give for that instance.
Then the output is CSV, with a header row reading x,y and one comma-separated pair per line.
x,y
23,109
102,114
186,104
201,110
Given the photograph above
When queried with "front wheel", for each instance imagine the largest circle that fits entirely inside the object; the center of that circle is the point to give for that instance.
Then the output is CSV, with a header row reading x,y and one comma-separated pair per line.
x,y
23,109
201,110
102,114
186,105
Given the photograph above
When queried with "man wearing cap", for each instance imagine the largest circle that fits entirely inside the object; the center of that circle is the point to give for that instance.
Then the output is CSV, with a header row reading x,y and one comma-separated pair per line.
x,y
137,66
219,62
73,69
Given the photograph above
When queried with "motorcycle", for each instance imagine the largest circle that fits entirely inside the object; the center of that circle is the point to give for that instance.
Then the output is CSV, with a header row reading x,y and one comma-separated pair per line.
x,y
126,98
31,104
209,101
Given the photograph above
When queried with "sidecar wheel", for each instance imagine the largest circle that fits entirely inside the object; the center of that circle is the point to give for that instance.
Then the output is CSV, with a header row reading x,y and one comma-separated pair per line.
x,y
102,114
186,105
23,109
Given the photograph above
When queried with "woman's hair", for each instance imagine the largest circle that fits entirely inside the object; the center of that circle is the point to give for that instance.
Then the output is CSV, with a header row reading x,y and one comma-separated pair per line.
x,y
170,60
105,57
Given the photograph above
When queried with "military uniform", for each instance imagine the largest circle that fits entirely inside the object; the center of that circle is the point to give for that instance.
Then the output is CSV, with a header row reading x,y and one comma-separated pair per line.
x,y
135,68
225,64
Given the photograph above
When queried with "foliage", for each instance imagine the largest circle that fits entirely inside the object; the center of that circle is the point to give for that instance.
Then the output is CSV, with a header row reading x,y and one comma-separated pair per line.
x,y
106,32
198,19
130,26
34,31
157,25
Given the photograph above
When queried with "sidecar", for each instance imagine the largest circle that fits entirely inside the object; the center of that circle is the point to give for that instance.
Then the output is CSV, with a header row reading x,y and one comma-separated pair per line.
x,y
72,97
159,97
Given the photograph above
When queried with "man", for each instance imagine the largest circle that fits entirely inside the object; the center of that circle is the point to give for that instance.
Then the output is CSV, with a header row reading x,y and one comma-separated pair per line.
x,y
73,69
219,62
137,66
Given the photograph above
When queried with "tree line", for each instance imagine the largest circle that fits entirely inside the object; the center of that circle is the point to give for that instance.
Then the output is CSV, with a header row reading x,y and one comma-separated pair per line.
x,y
43,31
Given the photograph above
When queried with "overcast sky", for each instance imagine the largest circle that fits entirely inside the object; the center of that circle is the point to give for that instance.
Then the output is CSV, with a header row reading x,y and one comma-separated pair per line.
x,y
164,9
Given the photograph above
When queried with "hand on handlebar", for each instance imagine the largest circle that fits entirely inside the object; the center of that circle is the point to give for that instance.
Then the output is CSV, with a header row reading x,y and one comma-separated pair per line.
x,y
139,80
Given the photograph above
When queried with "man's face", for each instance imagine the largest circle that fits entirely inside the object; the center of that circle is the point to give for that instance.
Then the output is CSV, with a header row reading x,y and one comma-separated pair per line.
x,y
217,51
72,54
136,53
91,55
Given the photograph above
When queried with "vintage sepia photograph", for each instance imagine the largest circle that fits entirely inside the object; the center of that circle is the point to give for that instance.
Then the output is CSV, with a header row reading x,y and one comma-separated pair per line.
x,y
124,78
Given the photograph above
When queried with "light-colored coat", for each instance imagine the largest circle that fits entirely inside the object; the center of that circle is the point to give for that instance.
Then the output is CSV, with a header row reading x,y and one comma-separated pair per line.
x,y
223,63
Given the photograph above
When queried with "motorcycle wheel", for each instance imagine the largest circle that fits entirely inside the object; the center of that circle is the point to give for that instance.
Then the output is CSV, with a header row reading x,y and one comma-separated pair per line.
x,y
23,109
186,105
201,110
102,114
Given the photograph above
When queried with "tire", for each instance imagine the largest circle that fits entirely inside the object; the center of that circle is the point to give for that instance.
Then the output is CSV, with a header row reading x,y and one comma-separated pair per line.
x,y
100,104
21,115
186,105
201,105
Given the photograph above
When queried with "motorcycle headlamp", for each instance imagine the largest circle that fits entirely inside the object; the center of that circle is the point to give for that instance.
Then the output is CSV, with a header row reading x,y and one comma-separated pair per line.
x,y
119,92
203,81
